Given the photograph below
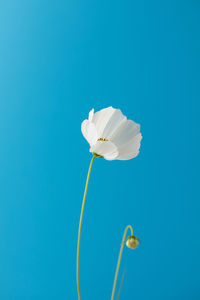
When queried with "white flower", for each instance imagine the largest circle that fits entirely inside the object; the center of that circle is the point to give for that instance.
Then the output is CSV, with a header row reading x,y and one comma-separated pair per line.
x,y
111,135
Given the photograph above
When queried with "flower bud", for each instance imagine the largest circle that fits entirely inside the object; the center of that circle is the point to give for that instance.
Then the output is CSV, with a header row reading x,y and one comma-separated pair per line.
x,y
132,242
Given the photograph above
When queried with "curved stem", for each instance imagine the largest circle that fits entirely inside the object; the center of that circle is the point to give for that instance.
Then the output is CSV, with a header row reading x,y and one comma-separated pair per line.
x,y
79,229
120,257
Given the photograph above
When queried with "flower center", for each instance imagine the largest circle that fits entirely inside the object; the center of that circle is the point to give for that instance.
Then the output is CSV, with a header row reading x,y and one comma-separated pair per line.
x,y
102,140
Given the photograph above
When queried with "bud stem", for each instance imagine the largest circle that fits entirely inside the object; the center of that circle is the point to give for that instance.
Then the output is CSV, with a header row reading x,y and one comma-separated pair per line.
x,y
120,257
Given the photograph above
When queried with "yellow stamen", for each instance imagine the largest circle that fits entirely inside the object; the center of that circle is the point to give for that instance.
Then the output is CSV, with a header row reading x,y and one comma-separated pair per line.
x,y
102,140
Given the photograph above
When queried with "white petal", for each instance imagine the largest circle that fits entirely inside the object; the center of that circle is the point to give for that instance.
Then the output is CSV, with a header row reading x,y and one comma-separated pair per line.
x,y
114,122
101,118
130,149
125,132
89,132
91,114
106,149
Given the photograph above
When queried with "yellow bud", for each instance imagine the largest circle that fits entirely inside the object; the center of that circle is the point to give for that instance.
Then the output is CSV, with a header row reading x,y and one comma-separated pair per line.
x,y
132,242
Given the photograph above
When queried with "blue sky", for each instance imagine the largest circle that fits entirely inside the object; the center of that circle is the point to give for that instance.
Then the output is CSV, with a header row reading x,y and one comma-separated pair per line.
x,y
58,60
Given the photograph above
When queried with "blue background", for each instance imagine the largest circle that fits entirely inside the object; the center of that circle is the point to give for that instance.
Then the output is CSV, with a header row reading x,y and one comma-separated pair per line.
x,y
59,59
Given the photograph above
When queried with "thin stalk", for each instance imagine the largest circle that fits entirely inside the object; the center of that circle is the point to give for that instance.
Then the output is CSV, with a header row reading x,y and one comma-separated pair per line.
x,y
121,283
119,259
79,229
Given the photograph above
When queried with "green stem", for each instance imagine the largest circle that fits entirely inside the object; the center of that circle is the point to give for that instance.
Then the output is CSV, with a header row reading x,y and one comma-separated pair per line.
x,y
120,288
119,259
79,229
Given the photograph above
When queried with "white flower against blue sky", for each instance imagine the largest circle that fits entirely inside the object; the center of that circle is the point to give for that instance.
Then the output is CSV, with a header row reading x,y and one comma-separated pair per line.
x,y
111,135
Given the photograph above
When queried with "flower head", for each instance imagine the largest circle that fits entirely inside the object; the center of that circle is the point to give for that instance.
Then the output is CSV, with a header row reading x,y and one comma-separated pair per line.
x,y
111,135
132,242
